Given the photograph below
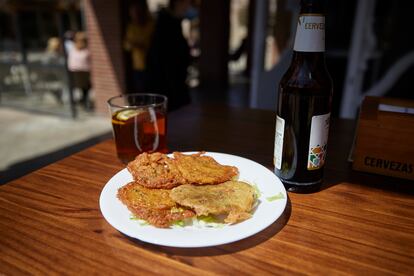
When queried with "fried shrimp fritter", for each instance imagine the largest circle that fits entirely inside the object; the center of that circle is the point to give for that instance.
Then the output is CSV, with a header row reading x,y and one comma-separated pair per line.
x,y
153,205
155,170
200,170
158,171
234,198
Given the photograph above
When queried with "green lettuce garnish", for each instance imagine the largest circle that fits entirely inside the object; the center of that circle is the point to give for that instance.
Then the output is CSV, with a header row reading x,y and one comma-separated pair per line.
x,y
257,191
179,223
141,221
280,195
208,219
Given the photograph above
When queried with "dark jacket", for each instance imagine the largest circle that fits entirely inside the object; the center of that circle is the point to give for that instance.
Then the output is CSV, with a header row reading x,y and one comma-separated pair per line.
x,y
167,61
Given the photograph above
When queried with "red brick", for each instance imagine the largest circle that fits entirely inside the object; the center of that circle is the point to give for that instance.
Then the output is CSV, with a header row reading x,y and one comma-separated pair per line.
x,y
105,44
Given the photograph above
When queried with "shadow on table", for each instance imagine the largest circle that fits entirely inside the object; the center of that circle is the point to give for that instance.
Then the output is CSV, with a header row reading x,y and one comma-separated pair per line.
x,y
375,181
230,248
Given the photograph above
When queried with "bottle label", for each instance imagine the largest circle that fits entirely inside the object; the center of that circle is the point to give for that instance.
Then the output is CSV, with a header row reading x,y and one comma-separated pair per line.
x,y
310,33
280,130
318,141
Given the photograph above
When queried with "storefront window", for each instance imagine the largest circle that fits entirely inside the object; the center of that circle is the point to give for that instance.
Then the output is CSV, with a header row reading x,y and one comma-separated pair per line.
x,y
33,63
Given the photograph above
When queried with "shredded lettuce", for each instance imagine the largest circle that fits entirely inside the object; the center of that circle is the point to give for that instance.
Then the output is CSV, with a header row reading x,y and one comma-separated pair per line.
x,y
179,223
140,221
208,219
280,195
256,189
200,222
209,222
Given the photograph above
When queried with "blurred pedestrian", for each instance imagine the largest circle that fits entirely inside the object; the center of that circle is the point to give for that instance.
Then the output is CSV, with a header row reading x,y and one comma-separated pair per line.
x,y
79,66
52,58
137,40
68,41
53,52
169,56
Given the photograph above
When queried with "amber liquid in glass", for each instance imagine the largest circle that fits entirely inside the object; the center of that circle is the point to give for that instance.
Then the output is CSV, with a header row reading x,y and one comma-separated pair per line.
x,y
138,131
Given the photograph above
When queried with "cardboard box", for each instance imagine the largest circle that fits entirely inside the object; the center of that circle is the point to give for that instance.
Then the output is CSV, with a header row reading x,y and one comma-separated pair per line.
x,y
385,137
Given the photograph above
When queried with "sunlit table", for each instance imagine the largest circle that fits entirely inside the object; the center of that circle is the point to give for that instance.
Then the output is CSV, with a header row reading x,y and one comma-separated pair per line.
x,y
50,221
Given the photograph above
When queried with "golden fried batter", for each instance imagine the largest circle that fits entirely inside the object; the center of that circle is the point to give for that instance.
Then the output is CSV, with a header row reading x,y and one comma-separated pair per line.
x,y
155,170
234,198
201,170
153,205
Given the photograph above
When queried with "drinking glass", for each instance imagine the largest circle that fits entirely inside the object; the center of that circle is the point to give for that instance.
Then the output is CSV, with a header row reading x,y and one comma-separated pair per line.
x,y
139,124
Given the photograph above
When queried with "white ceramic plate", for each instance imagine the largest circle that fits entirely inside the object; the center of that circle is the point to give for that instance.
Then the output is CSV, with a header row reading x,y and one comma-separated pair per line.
x,y
267,212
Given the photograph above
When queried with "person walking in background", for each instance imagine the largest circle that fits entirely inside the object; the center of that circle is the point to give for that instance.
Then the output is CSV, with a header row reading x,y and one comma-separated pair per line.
x,y
52,58
79,66
169,56
137,40
53,53
68,40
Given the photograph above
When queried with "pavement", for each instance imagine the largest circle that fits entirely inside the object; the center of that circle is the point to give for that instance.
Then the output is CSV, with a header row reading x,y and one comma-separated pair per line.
x,y
29,140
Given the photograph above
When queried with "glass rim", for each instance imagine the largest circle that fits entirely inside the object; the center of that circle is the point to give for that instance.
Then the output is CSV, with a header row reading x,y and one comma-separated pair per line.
x,y
164,102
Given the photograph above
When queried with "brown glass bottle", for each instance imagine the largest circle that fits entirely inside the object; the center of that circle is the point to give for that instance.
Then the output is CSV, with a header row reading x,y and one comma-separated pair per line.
x,y
304,106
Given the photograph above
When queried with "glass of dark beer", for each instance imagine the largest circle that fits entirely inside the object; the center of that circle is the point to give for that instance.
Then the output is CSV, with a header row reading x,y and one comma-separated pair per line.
x,y
139,124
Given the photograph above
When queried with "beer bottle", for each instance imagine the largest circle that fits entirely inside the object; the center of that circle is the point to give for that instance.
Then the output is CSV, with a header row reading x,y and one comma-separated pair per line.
x,y
304,106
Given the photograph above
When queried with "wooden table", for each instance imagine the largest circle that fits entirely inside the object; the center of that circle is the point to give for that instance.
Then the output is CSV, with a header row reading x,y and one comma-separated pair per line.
x,y
50,222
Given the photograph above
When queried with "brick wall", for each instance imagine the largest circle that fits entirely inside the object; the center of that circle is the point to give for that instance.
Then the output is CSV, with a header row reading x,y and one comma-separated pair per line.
x,y
103,24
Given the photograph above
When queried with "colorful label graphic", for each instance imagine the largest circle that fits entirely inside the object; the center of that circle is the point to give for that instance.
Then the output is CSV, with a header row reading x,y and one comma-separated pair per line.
x,y
318,141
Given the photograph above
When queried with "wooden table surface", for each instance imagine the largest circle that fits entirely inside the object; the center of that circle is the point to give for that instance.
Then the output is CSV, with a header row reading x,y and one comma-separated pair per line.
x,y
50,221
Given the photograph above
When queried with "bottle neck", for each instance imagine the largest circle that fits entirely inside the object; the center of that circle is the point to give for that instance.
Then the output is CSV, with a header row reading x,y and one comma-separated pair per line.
x,y
310,33
309,47
314,61
312,6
